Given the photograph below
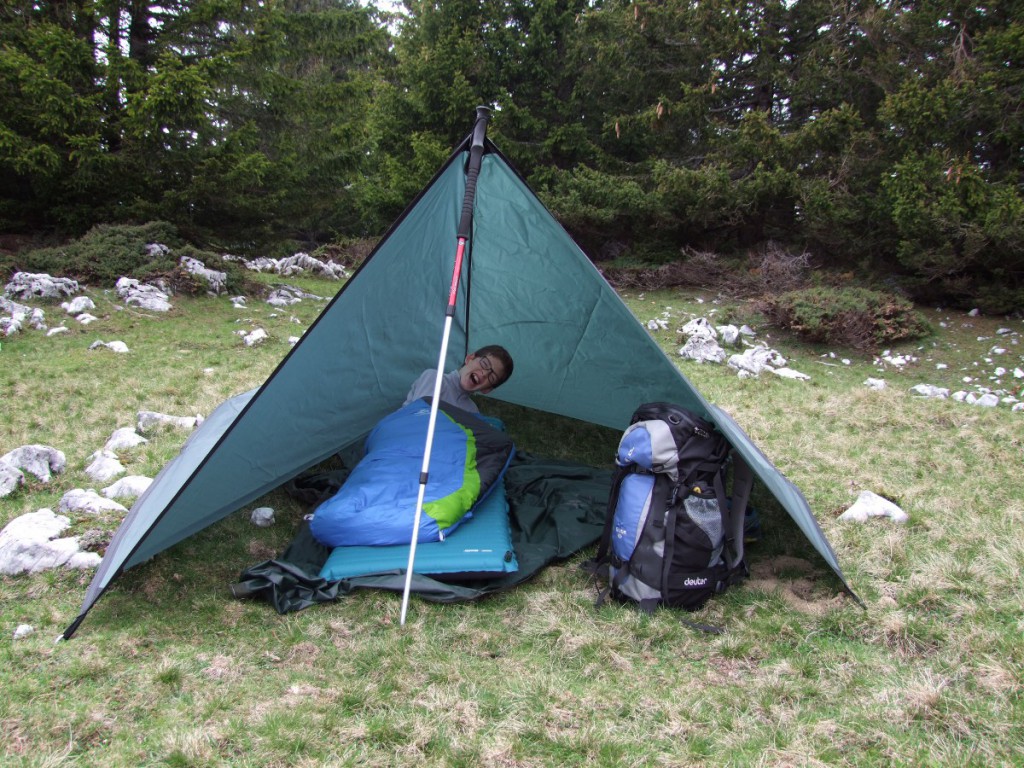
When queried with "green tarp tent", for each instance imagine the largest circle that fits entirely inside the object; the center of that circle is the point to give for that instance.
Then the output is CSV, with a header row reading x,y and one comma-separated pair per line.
x,y
578,350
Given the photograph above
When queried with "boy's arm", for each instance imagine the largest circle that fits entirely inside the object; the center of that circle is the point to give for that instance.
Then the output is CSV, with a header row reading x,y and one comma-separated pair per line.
x,y
422,387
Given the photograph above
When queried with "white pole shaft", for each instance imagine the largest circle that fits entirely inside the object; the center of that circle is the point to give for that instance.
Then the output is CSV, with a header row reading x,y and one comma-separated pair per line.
x,y
426,466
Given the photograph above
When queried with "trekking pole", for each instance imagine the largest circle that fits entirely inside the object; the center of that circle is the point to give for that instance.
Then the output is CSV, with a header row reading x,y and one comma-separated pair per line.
x,y
476,152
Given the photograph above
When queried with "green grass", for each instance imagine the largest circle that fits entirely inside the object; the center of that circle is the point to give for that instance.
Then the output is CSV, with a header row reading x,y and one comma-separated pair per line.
x,y
169,670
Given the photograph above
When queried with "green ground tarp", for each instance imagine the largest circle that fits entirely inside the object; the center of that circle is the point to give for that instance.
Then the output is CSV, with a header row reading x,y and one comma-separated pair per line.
x,y
556,508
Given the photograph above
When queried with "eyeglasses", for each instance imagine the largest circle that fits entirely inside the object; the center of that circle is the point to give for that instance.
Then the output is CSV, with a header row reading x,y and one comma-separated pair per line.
x,y
492,377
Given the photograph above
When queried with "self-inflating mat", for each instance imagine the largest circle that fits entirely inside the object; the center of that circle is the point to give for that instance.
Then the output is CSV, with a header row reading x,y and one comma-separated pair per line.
x,y
480,547
377,504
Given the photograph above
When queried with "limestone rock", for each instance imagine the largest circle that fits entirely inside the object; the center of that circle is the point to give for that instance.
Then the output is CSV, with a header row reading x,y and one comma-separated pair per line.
x,y
869,505
38,460
30,544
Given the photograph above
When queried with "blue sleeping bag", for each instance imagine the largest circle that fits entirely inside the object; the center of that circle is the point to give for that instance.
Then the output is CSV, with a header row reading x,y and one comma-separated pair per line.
x,y
377,504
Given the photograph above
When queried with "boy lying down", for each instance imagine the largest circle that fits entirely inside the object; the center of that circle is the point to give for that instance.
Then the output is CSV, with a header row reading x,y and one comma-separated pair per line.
x,y
376,506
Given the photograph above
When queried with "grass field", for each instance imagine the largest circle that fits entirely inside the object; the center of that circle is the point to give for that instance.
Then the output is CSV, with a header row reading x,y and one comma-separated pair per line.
x,y
170,670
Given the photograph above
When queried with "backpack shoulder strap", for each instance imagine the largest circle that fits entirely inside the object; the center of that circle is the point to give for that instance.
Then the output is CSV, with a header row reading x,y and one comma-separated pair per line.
x,y
742,483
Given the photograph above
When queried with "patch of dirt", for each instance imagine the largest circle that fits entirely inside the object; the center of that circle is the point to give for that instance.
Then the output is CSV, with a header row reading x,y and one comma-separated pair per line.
x,y
261,550
221,668
304,654
800,592
731,670
16,741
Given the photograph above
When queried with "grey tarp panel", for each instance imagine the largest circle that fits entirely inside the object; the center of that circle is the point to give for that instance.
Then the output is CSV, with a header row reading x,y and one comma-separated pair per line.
x,y
578,351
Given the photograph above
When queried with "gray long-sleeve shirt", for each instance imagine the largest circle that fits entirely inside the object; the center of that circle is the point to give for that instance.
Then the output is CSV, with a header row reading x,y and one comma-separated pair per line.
x,y
451,390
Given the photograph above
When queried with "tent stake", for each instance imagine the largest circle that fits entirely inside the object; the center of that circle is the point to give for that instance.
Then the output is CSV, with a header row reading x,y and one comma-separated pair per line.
x,y
476,152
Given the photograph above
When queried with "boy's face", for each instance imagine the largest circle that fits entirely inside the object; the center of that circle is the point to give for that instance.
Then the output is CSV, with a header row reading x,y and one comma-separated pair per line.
x,y
481,374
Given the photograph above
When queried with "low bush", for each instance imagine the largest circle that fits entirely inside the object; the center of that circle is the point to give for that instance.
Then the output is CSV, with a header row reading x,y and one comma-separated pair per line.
x,y
239,280
107,252
856,317
696,269
351,252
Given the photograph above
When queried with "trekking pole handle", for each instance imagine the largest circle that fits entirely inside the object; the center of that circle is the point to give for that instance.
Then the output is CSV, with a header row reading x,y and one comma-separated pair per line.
x,y
476,152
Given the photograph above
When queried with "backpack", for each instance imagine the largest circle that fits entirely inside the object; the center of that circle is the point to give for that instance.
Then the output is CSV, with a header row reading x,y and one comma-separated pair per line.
x,y
673,536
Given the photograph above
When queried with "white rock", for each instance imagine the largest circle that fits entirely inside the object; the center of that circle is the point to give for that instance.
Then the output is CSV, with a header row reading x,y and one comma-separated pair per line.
x,y
78,305
657,324
23,631
26,285
262,517
284,297
38,460
702,349
10,478
255,337
1018,373
898,360
941,366
104,466
130,487
58,330
297,264
746,330
970,398
870,504
1018,407
999,371
114,346
293,340
216,280
974,313
123,438
699,326
987,401
85,318
11,325
927,390
88,501
729,334
789,373
146,420
30,544
37,319
874,383
145,296
756,359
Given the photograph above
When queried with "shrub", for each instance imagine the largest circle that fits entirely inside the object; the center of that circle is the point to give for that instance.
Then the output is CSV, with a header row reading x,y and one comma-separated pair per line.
x,y
779,269
107,252
857,317
239,280
351,252
698,269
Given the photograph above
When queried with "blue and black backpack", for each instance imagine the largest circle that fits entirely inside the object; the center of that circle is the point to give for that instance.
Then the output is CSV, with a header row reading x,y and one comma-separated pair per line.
x,y
673,535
